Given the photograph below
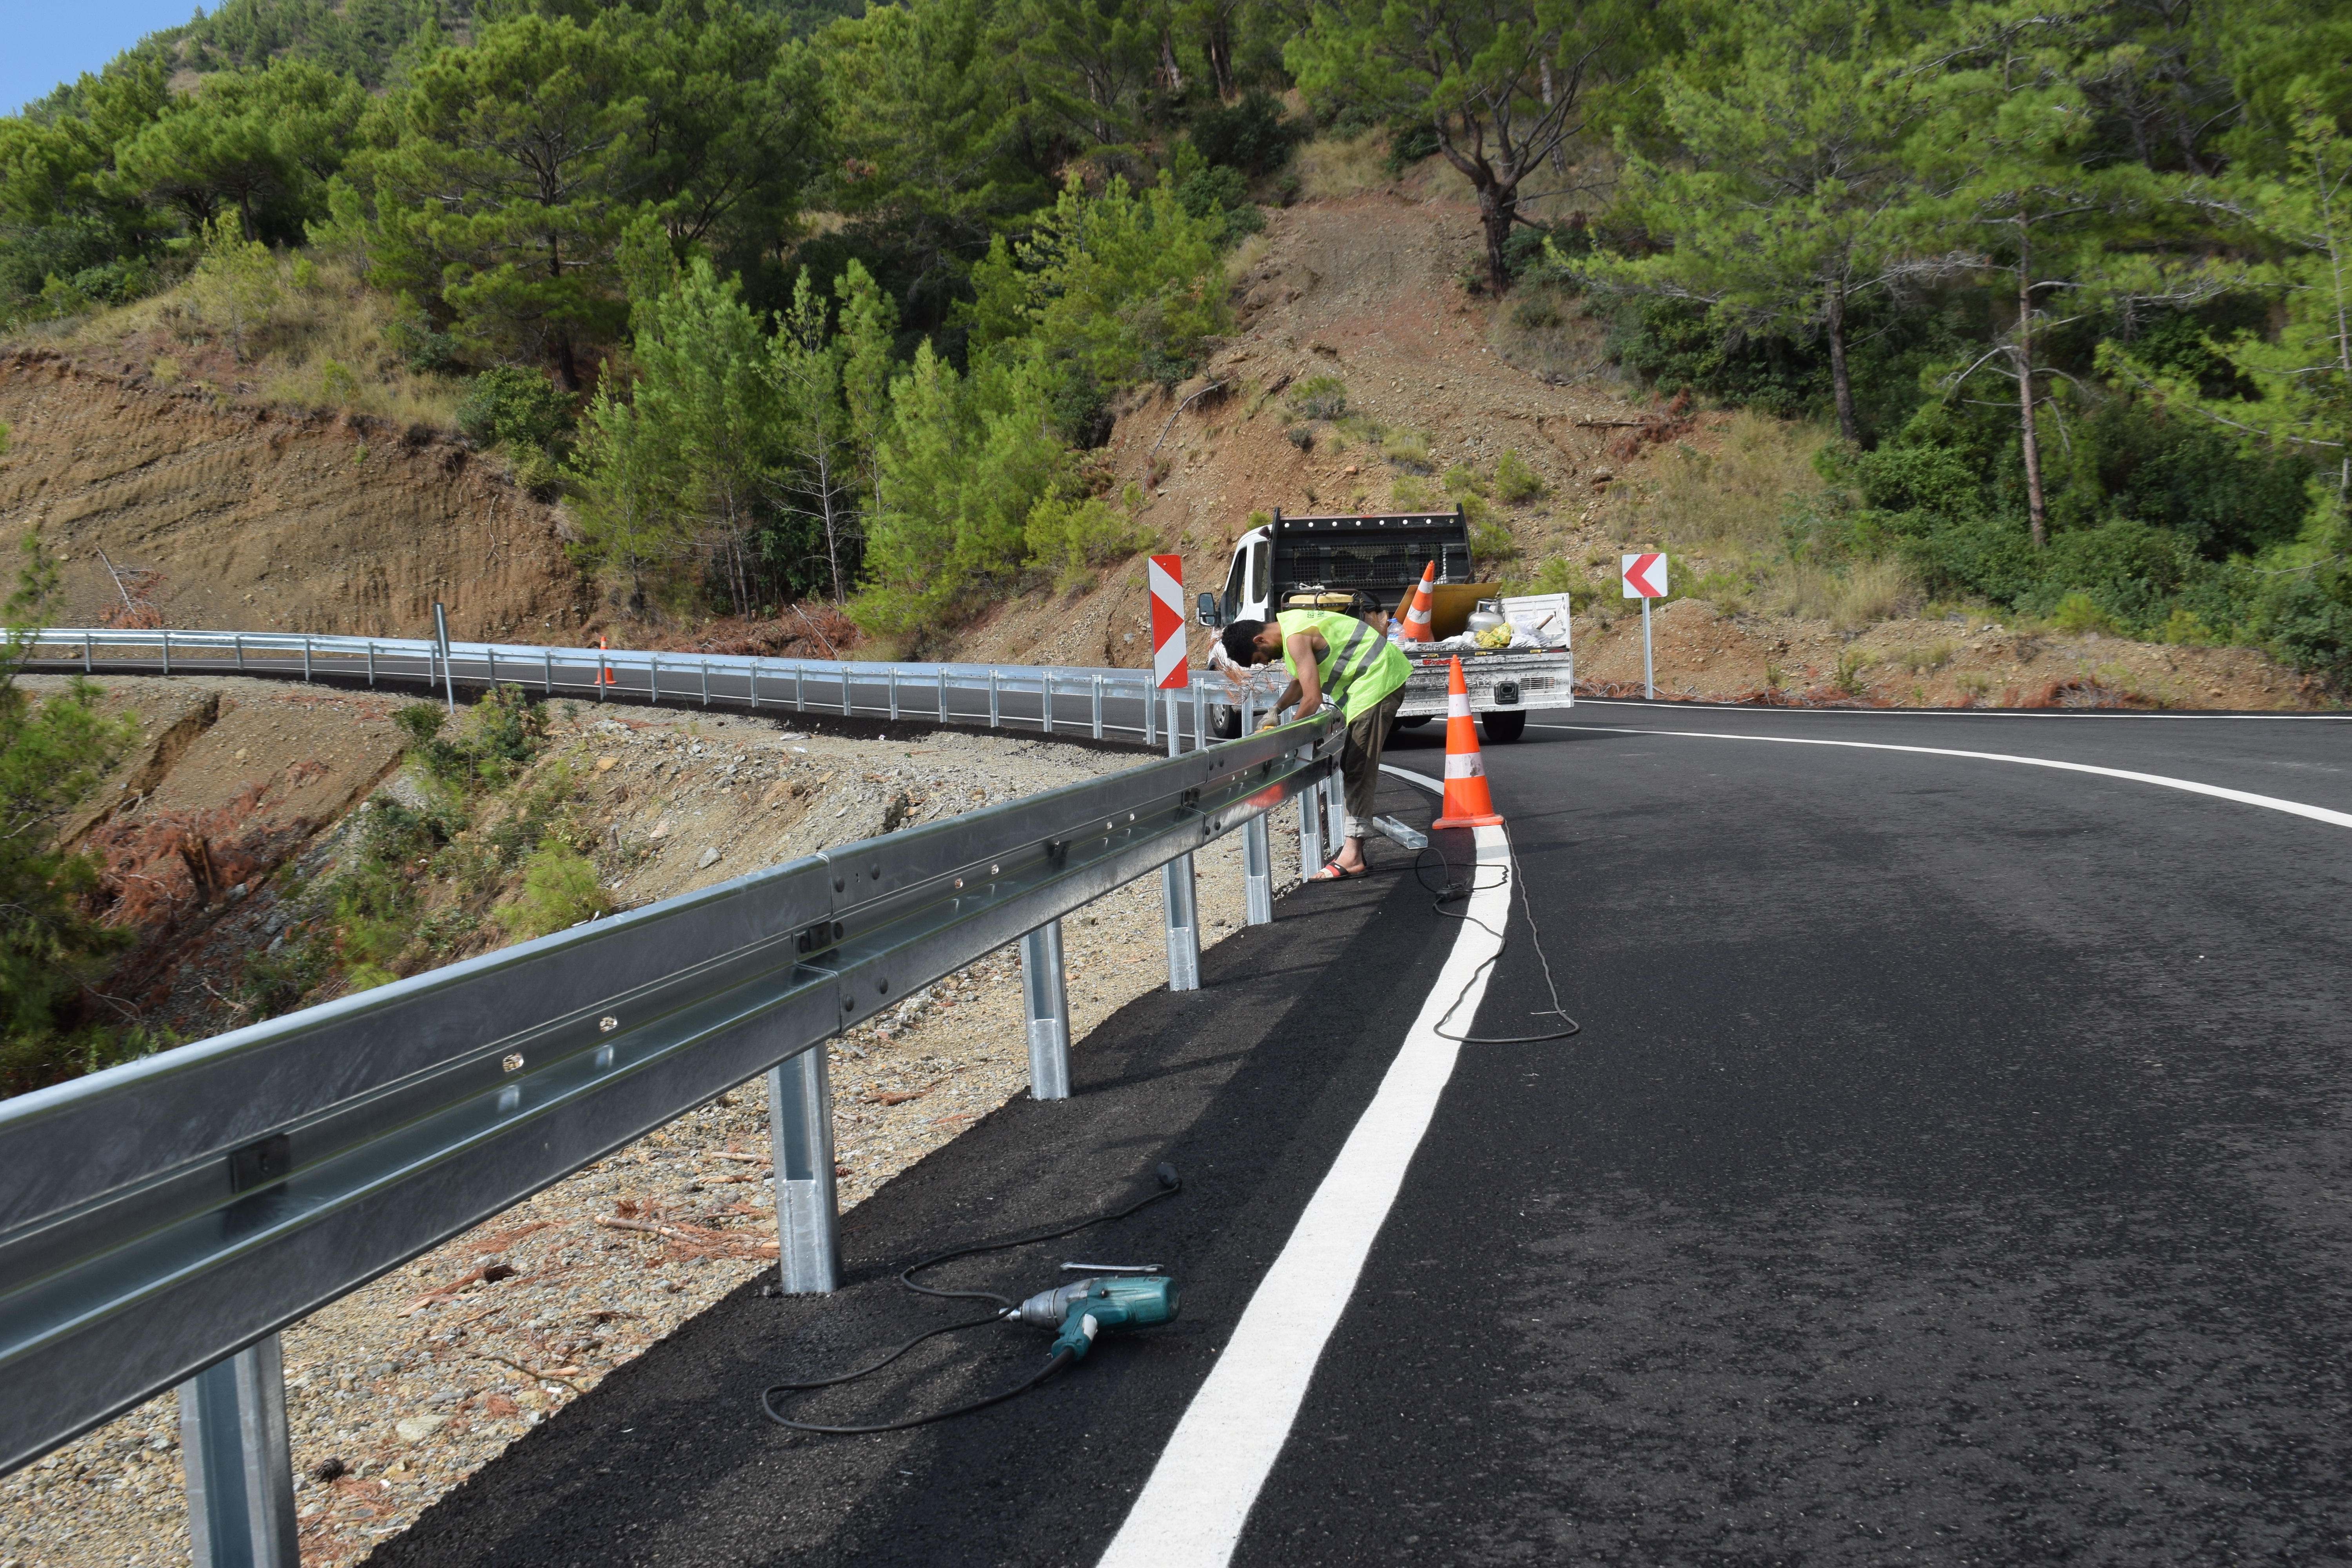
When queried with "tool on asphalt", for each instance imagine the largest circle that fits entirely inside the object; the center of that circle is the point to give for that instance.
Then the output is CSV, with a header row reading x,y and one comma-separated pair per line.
x,y
1115,1297
1416,619
1467,802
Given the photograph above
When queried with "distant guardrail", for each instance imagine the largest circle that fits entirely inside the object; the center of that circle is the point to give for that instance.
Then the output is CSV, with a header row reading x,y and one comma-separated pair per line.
x,y
1053,698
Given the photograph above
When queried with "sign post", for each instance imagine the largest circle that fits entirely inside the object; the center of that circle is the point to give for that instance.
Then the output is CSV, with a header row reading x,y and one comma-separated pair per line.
x,y
1645,579
1168,673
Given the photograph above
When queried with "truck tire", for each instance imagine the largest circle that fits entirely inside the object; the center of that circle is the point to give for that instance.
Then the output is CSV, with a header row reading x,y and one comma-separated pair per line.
x,y
1224,722
1500,729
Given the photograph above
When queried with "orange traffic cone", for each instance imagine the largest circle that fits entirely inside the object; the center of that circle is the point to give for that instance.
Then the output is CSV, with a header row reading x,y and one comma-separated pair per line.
x,y
1467,804
1416,618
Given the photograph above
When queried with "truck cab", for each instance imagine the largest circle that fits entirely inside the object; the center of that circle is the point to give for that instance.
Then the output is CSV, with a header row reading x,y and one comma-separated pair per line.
x,y
1368,566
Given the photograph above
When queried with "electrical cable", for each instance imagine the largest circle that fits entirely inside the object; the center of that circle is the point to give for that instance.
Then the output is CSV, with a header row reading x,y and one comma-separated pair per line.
x,y
1453,890
1170,1184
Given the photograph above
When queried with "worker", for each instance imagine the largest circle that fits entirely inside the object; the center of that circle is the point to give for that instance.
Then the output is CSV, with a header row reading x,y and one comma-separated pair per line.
x,y
1343,659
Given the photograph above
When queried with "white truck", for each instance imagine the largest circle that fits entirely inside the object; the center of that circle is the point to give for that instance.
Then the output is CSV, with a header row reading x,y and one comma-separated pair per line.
x,y
1370,566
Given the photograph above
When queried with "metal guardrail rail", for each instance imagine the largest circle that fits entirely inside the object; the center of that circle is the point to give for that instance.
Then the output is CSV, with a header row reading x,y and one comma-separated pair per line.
x,y
162,1219
1067,698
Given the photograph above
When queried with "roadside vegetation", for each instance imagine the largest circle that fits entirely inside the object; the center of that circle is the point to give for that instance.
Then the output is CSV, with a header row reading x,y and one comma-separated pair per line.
x,y
814,304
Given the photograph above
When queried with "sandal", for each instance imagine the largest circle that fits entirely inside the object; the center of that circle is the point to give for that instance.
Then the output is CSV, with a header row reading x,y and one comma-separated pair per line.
x,y
1334,872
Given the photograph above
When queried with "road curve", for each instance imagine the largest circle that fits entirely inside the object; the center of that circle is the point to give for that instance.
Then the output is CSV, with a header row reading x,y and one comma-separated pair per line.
x,y
1954,1165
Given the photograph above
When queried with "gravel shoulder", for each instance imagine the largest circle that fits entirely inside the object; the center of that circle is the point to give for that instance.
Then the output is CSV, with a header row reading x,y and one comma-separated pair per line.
x,y
403,1389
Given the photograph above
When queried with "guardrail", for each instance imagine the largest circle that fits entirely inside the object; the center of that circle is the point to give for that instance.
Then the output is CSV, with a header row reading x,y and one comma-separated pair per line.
x,y
1053,698
162,1220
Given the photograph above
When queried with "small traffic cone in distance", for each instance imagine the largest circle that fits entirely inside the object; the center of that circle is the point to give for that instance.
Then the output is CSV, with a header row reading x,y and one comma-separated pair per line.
x,y
1416,617
606,679
1467,802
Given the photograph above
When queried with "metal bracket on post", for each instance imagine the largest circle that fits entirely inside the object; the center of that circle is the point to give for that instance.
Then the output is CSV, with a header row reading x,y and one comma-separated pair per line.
x,y
1176,898
240,1471
1046,999
799,1137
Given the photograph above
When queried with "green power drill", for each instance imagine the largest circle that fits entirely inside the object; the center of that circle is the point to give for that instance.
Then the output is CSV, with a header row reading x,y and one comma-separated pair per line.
x,y
1087,1306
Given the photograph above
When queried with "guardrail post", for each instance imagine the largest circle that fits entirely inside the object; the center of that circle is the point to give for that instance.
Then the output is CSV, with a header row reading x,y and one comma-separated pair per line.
x,y
546,658
1335,808
1257,872
842,666
991,697
1047,1000
1200,715
1176,899
1046,700
753,668
167,653
238,640
1310,831
85,654
653,680
894,694
942,674
306,658
1150,714
1098,707
240,1469
490,651
800,687
799,1137
705,683
370,647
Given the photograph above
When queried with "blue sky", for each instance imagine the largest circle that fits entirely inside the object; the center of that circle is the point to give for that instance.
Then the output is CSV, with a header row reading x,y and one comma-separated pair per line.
x,y
50,41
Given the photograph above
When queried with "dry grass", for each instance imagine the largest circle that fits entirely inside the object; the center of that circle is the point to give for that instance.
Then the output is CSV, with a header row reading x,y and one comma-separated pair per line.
x,y
1245,257
323,344
1344,165
1740,492
1847,596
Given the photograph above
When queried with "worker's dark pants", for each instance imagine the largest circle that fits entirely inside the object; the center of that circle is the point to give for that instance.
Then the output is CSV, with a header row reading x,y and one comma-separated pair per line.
x,y
1359,763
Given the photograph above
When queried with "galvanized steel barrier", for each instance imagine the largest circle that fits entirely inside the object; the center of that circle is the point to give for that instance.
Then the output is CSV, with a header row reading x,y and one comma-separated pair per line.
x,y
162,1220
1066,699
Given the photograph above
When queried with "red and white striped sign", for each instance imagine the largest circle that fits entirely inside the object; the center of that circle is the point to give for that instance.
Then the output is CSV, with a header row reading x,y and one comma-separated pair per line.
x,y
1168,668
1646,575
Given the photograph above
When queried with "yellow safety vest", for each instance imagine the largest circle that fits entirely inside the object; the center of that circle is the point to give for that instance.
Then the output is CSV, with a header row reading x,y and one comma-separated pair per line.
x,y
1359,666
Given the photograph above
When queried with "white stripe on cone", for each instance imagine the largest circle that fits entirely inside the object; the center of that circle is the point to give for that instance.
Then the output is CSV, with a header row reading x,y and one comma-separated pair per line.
x,y
1466,765
1458,705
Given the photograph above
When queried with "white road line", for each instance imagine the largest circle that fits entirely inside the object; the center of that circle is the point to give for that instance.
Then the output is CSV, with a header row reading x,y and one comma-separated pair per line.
x,y
2243,797
1191,1512
2112,715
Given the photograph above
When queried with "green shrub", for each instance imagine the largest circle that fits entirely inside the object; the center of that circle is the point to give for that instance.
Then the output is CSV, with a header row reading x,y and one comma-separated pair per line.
x,y
1514,483
521,409
418,345
558,890
2078,612
1252,136
1491,544
1462,480
1408,449
1319,397
1070,536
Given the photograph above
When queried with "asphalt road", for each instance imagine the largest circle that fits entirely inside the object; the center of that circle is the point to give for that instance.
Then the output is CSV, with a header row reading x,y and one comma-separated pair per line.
x,y
1953,1166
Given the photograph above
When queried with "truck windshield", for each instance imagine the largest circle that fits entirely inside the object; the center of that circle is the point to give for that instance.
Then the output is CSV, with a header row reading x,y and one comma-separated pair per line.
x,y
1236,594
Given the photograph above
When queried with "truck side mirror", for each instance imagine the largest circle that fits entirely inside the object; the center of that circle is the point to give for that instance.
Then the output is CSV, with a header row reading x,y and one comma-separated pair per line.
x,y
1209,614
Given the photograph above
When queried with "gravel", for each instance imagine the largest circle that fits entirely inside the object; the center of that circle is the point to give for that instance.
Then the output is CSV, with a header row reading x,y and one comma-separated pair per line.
x,y
402,1389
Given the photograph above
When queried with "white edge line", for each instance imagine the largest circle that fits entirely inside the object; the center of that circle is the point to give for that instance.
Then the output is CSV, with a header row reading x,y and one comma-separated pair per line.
x,y
1192,1508
2243,797
2108,714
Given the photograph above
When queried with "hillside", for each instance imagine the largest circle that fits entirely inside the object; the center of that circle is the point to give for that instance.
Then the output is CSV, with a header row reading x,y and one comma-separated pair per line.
x,y
1365,288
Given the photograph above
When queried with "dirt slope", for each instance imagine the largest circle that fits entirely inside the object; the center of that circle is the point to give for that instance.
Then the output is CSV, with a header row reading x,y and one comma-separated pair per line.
x,y
241,517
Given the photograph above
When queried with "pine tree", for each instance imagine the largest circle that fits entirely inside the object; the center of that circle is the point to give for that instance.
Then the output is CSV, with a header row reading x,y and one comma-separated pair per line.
x,y
804,364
